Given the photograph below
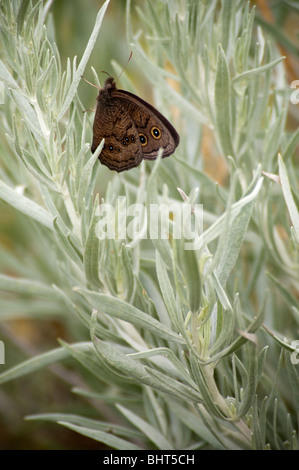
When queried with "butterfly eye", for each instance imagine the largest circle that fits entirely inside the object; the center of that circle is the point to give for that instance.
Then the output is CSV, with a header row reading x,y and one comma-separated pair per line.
x,y
156,133
143,139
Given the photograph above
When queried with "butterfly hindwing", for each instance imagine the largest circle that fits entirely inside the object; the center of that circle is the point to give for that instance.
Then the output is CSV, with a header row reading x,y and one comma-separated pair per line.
x,y
122,149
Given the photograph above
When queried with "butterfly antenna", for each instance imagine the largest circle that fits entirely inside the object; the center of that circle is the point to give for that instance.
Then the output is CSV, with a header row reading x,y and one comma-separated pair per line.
x,y
92,84
104,71
125,65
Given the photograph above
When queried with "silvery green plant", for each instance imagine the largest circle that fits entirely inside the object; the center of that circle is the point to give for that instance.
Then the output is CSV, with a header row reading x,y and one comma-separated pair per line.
x,y
189,346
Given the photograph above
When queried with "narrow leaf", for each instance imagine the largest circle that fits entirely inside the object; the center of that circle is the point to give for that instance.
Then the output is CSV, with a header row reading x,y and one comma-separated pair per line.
x,y
25,205
31,365
101,436
92,250
77,76
223,104
286,189
123,310
151,433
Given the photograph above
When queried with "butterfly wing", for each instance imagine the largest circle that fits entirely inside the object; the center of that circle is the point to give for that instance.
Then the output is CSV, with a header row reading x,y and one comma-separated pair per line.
x,y
154,130
122,149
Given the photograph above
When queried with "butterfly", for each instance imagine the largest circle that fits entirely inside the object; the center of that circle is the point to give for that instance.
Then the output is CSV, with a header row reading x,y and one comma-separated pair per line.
x,y
133,129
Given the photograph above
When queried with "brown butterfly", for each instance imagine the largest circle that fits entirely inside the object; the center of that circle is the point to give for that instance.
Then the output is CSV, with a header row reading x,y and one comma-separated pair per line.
x,y
133,129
